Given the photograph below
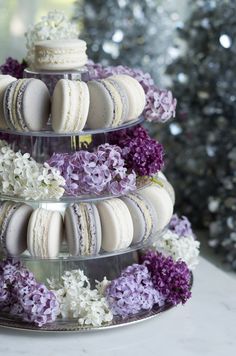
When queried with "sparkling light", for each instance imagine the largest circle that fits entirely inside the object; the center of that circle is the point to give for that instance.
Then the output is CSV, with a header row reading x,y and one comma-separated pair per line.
x,y
225,41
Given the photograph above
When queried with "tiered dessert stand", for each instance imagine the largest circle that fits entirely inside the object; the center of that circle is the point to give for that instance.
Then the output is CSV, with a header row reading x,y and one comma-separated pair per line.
x,y
41,145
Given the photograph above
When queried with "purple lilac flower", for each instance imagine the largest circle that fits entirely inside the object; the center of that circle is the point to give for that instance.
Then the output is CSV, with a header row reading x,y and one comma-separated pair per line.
x,y
22,296
95,172
40,305
160,103
132,292
141,153
180,226
171,279
13,67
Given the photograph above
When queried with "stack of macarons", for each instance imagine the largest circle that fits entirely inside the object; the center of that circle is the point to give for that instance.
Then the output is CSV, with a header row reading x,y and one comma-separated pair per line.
x,y
108,225
97,104
114,100
116,223
21,227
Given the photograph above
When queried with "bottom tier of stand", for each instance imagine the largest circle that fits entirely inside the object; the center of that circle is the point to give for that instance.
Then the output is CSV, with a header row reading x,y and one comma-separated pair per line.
x,y
83,291
72,325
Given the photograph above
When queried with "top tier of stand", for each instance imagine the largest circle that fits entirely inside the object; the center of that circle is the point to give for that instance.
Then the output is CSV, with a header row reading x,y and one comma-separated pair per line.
x,y
50,78
85,132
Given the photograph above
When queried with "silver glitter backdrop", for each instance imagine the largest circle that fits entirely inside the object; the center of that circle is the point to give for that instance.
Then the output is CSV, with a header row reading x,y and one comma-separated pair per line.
x,y
201,142
134,33
200,55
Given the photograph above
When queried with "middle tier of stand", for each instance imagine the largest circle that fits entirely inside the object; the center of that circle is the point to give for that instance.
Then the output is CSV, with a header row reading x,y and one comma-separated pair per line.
x,y
64,200
65,256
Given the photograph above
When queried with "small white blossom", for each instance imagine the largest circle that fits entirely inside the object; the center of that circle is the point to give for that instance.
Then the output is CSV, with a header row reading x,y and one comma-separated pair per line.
x,y
78,300
184,248
22,176
54,26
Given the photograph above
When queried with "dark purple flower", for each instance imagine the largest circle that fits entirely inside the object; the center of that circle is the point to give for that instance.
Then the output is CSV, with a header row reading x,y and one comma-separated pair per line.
x,y
102,171
171,279
141,153
13,67
160,103
22,296
132,292
180,226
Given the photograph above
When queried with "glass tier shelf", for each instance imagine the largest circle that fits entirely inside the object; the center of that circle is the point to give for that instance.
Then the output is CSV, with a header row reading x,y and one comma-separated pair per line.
x,y
72,324
65,200
86,132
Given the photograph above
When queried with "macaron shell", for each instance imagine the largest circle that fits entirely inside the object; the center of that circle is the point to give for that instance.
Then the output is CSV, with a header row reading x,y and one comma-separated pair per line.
x,y
5,80
162,204
117,225
55,234
16,233
44,233
72,236
83,102
36,105
8,104
101,107
135,93
138,220
169,188
142,215
61,102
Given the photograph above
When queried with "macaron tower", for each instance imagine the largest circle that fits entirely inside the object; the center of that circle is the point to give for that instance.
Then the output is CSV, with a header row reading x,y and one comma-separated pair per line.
x,y
82,195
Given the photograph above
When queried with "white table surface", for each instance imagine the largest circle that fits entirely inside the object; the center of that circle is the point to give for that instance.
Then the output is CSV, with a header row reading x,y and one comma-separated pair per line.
x,y
206,325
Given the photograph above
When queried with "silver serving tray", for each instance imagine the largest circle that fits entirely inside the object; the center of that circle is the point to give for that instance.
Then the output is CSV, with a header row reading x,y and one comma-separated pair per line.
x,y
72,325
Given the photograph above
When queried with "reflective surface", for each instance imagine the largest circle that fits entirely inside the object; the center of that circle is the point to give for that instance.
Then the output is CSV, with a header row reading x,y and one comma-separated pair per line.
x,y
79,133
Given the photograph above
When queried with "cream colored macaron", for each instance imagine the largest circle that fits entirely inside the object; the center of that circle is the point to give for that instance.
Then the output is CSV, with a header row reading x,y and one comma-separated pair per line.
x,y
70,105
60,54
45,233
135,93
117,224
161,202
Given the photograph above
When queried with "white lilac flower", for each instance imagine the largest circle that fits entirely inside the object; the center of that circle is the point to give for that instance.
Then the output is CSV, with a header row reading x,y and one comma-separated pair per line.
x,y
78,300
184,248
54,26
22,176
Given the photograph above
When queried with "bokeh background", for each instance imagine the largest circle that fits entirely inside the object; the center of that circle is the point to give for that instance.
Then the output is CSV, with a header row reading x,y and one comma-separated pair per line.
x,y
188,46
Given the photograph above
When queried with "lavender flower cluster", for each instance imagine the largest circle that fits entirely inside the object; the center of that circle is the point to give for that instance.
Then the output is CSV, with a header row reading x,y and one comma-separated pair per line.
x,y
141,153
13,67
132,291
160,103
171,278
22,296
158,281
180,226
95,172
